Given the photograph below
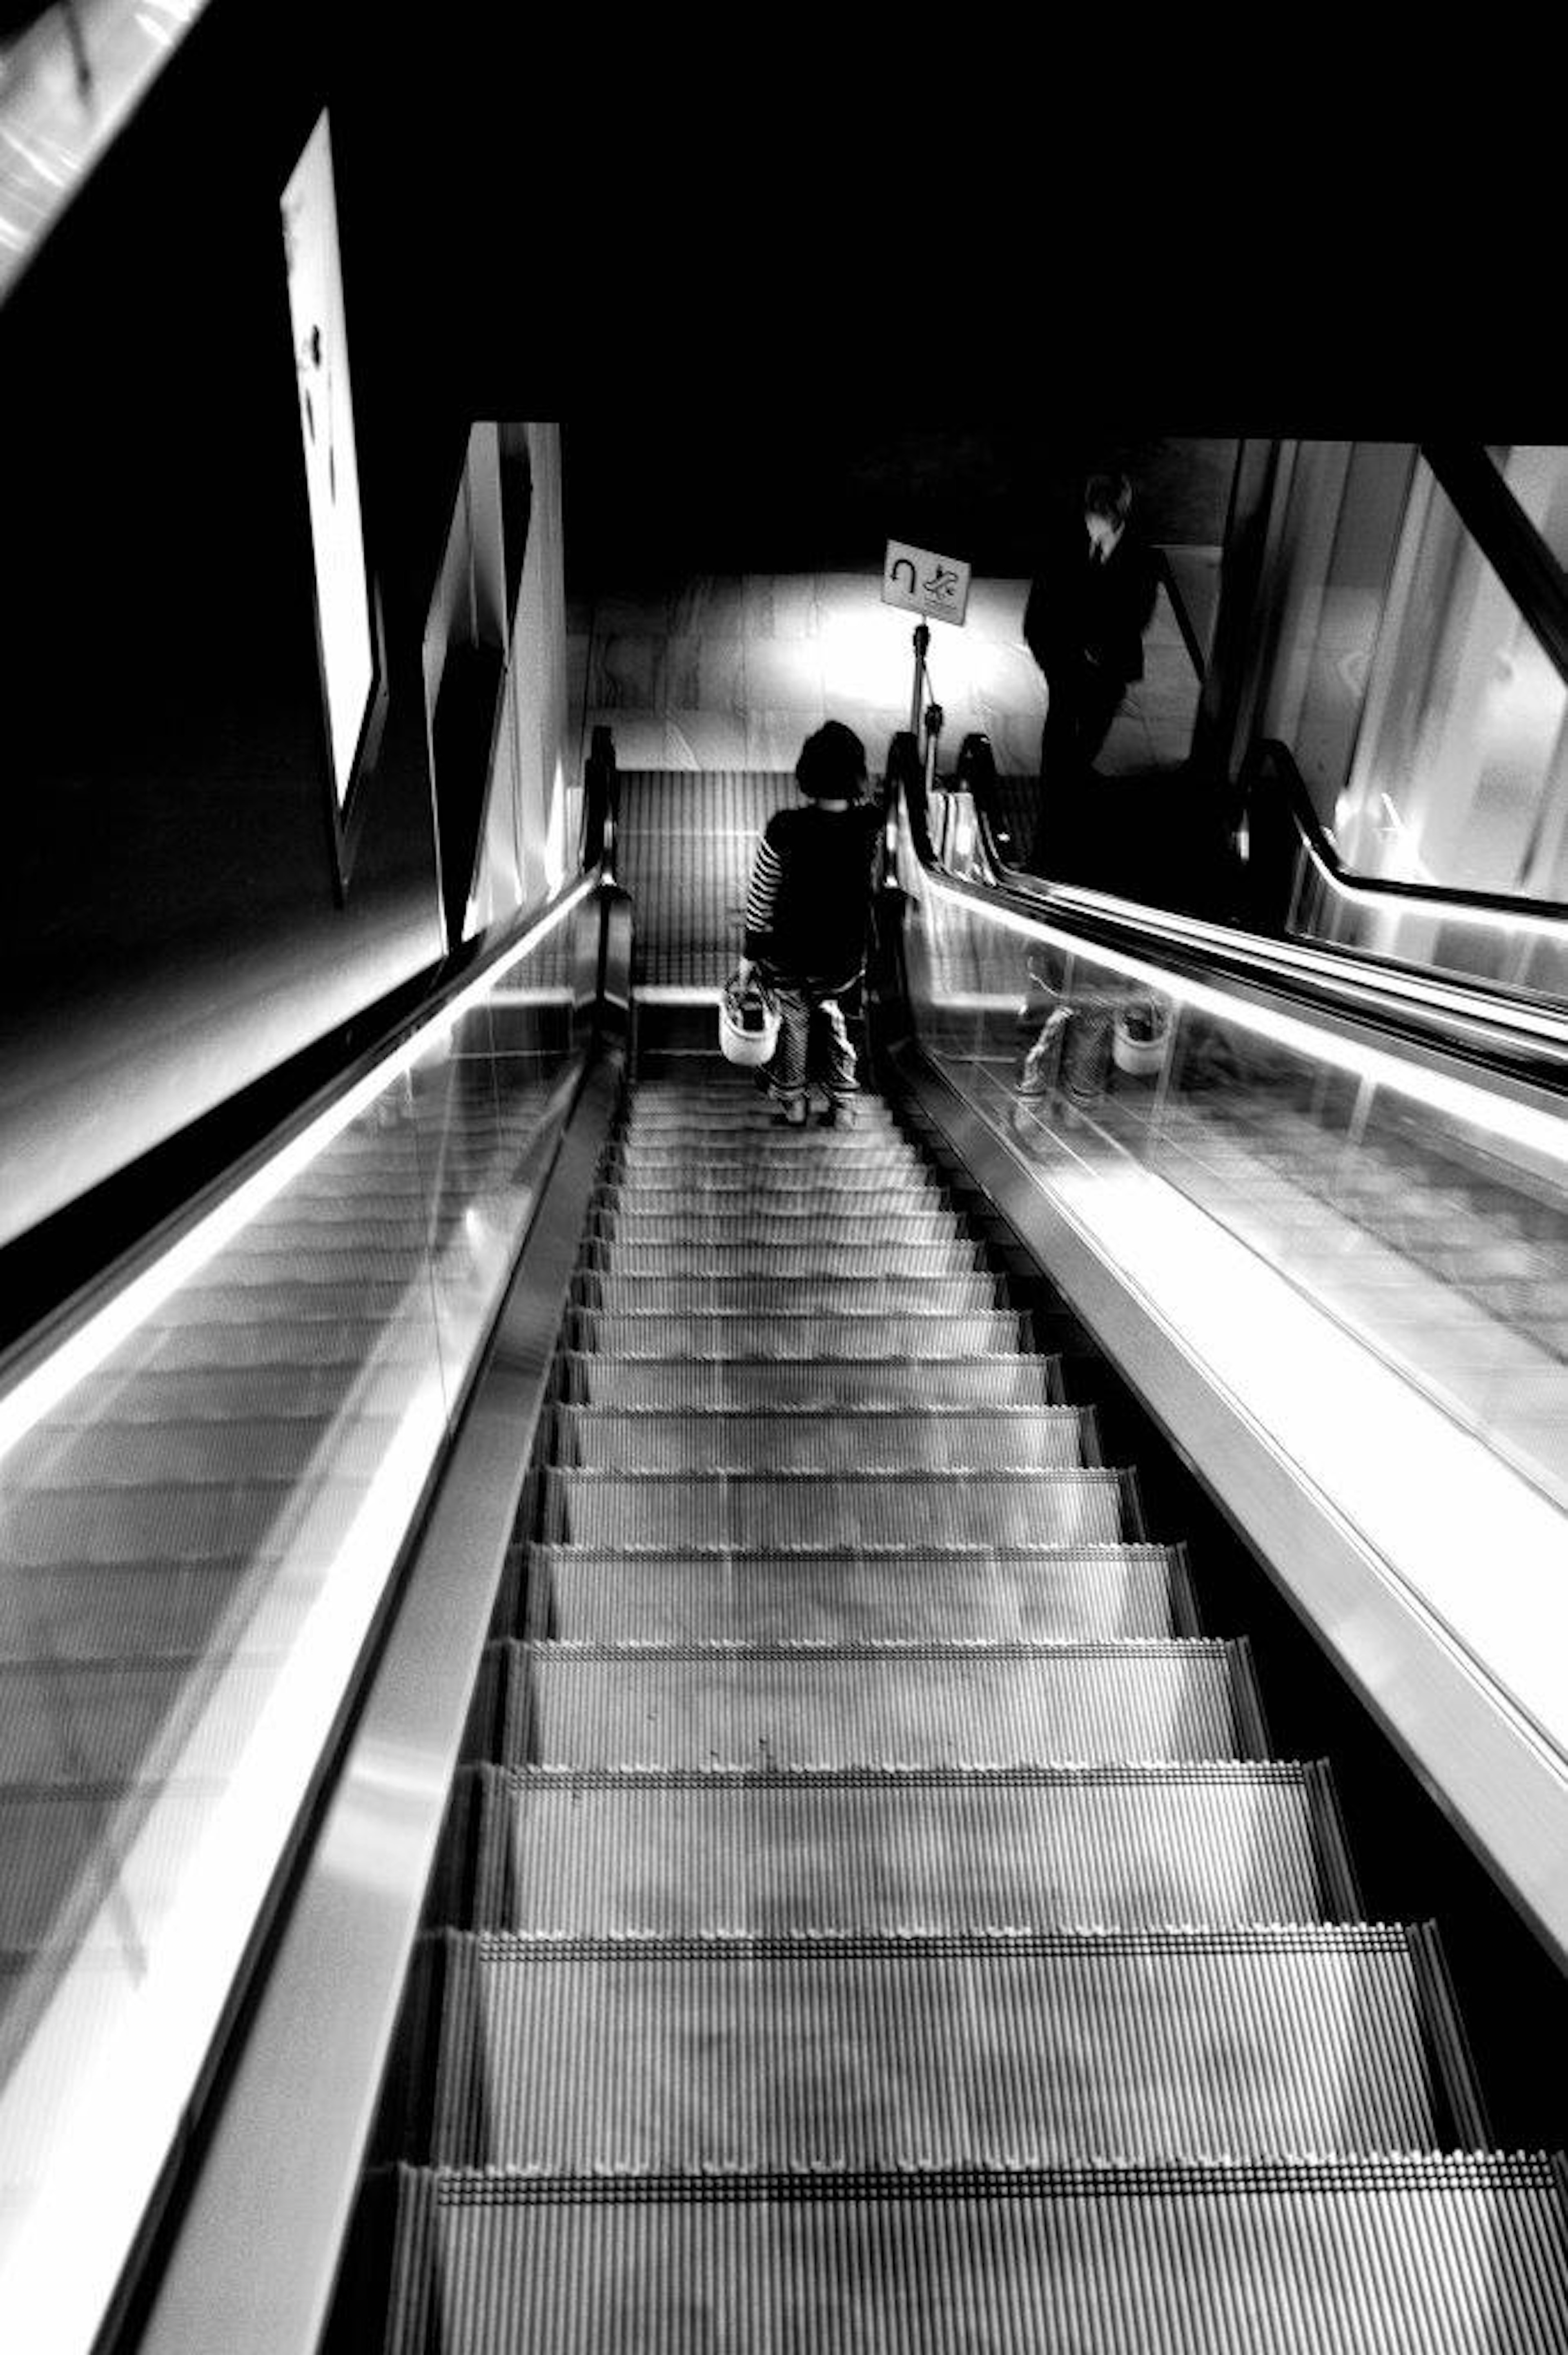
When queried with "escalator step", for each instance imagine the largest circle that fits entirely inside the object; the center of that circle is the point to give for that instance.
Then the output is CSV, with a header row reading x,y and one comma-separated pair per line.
x,y
779,1295
777,1386
178,1522
679,1259
796,1221
1004,2049
1084,1594
746,1510
112,1456
1432,2256
734,1192
682,1852
995,1439
716,1335
981,1705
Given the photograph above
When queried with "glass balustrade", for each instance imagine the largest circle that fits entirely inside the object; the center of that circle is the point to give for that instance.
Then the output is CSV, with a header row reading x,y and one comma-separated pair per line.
x,y
204,1493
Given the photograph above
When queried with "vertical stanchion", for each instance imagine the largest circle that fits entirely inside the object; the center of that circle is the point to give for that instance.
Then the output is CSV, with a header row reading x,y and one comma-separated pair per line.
x,y
922,640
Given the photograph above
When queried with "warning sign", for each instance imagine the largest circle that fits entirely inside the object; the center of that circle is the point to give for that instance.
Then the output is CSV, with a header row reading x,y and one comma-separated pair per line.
x,y
924,582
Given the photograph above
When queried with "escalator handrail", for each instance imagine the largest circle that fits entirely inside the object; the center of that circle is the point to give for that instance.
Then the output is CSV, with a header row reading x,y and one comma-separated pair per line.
x,y
1463,1020
1270,757
459,971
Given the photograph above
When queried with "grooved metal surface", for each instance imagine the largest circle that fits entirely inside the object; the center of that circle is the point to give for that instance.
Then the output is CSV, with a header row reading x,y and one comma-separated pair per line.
x,y
1019,2049
999,1439
1467,2255
686,841
1077,1592
802,1260
980,1705
683,1852
737,1335
766,1297
815,1386
828,1508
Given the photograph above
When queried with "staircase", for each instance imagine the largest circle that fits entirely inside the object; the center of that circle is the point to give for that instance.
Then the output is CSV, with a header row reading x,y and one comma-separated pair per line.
x,y
870,1917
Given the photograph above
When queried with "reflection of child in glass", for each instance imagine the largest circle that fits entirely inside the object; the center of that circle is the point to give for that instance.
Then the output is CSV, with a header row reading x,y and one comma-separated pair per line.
x,y
806,916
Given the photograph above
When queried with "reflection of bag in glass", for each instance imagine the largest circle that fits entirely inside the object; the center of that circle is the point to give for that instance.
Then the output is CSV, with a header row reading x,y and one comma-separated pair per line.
x,y
1085,1060
1141,1035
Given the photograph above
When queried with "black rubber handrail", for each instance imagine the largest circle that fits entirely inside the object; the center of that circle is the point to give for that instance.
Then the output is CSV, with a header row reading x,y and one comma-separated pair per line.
x,y
1438,898
1459,1018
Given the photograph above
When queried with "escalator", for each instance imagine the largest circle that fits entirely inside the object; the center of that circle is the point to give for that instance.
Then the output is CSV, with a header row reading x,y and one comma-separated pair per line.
x,y
870,1910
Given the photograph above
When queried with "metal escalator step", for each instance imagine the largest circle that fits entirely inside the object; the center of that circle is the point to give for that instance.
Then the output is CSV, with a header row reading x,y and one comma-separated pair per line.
x,y
678,1852
769,1185
1074,1594
997,2049
774,1295
798,1221
179,1522
1463,2255
742,1114
777,1386
660,1167
680,1257
744,1510
887,1704
979,1335
993,1439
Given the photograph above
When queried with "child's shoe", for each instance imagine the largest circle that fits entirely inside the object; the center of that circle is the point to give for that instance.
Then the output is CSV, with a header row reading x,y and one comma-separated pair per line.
x,y
793,1114
841,1112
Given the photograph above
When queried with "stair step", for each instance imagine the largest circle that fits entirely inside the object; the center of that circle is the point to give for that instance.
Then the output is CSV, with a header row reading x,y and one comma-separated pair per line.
x,y
1004,2049
796,1218
808,1150
776,1386
829,1509
1431,2255
678,1852
678,1259
782,1186
897,1705
780,1294
1005,1331
1082,1595
990,1439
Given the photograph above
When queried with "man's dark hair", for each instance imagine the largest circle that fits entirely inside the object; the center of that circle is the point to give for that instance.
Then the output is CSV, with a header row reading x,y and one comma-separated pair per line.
x,y
832,766
1109,495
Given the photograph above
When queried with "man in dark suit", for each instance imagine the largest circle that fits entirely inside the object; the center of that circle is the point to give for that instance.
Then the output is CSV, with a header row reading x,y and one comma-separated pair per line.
x,y
1091,600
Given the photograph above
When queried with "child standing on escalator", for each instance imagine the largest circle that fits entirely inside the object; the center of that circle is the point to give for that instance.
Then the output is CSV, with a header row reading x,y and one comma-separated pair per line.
x,y
806,918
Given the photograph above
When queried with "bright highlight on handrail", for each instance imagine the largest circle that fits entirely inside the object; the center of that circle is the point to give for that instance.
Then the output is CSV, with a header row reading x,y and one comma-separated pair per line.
x,y
43,1387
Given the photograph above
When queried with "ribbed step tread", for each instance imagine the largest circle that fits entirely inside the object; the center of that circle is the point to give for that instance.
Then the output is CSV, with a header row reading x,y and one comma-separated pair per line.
x,y
797,1220
737,1335
867,1293
1076,1594
1006,2049
853,1188
686,1852
875,1255
742,1511
1463,2256
778,1386
981,1705
993,1439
